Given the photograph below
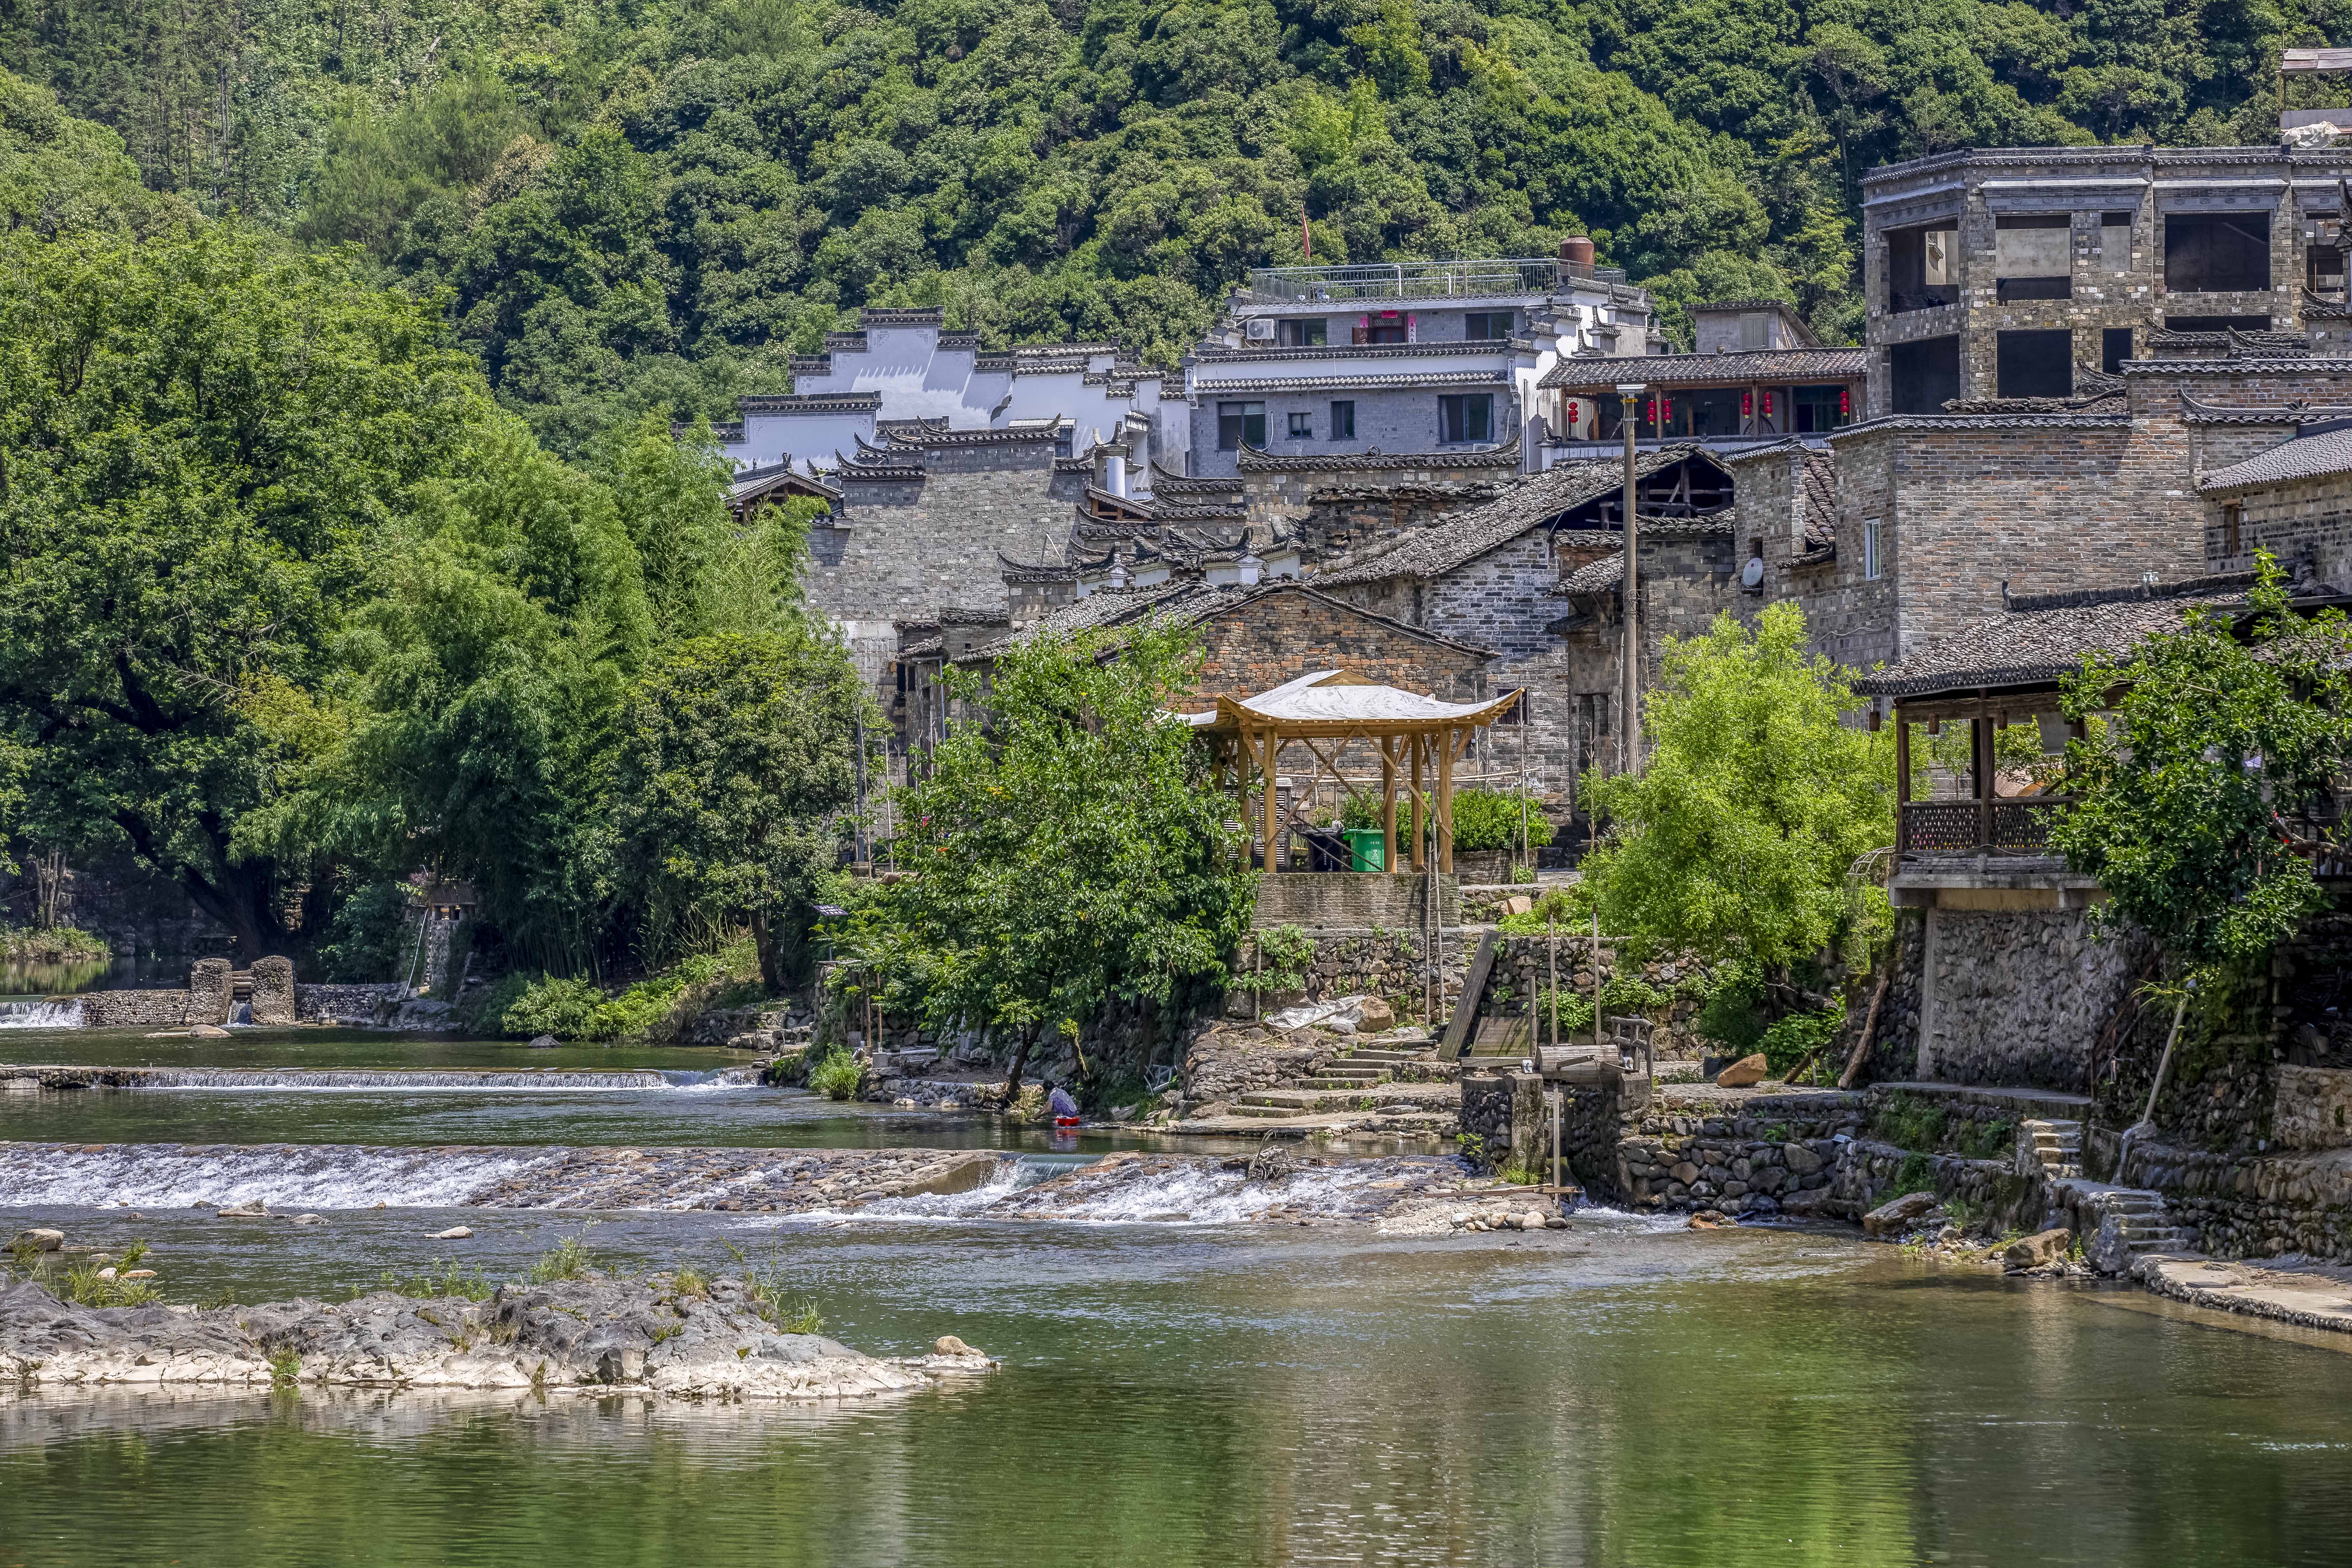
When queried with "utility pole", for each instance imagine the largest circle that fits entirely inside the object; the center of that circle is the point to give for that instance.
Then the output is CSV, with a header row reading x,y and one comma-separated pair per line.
x,y
1629,724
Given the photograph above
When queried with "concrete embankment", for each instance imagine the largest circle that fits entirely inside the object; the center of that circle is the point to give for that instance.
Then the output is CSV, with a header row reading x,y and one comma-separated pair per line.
x,y
658,1336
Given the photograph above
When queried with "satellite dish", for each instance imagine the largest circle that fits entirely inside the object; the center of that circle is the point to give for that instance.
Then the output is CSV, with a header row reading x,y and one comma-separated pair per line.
x,y
1752,574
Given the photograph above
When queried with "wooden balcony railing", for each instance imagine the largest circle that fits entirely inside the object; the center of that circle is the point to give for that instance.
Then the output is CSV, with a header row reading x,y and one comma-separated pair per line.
x,y
2017,826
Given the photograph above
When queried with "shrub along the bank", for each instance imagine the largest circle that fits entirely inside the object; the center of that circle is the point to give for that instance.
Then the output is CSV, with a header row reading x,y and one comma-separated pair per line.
x,y
521,1006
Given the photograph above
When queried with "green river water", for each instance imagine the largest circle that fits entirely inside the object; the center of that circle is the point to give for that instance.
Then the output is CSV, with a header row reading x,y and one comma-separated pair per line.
x,y
1621,1391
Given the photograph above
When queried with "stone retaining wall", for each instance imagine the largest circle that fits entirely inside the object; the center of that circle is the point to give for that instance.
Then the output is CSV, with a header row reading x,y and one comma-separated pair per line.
x,y
371,1004
2016,997
2252,1208
1354,899
207,1000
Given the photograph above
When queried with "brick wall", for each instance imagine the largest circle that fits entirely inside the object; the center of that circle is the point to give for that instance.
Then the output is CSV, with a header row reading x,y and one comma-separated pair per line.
x,y
2302,518
1281,635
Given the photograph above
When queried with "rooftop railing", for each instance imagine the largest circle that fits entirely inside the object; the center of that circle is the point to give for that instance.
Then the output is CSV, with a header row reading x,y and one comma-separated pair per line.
x,y
1422,280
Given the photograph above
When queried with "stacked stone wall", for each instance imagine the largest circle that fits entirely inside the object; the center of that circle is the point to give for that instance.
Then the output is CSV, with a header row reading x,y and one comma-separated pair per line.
x,y
1282,636
205,1000
2017,997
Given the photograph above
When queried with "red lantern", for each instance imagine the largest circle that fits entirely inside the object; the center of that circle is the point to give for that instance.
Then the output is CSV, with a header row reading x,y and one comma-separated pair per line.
x,y
1650,411
1572,415
1747,405
1666,409
1845,401
1768,406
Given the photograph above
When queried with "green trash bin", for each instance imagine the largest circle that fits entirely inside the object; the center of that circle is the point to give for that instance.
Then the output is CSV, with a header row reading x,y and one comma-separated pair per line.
x,y
1364,849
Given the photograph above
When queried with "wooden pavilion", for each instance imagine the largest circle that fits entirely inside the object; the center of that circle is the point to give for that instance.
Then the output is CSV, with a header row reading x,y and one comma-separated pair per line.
x,y
1418,739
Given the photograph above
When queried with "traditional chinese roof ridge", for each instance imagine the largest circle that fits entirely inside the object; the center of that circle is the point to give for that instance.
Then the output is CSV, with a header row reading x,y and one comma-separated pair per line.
x,y
1218,353
2293,411
1189,484
750,484
1435,490
1191,601
2238,345
2126,156
853,342
1078,465
721,430
2250,365
928,647
1166,512
1740,369
960,341
884,464
2323,451
1049,367
1251,460
937,433
2096,402
2324,309
1442,546
908,316
2085,420
2130,592
810,403
2036,646
971,615
809,365
1411,380
1012,571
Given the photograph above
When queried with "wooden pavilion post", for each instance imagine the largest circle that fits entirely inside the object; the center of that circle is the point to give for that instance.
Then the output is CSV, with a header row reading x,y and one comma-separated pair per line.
x,y
1980,770
1445,802
1902,777
1242,789
1420,744
1273,800
1388,804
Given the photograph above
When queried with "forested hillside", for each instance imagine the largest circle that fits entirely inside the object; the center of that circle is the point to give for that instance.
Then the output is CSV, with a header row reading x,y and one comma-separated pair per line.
x,y
638,204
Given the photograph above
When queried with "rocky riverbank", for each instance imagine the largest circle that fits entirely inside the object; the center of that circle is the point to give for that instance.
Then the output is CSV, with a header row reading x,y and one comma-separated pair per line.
x,y
668,1335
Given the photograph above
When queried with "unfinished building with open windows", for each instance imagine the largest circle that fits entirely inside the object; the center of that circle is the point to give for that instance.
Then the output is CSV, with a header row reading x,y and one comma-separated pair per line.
x,y
2012,272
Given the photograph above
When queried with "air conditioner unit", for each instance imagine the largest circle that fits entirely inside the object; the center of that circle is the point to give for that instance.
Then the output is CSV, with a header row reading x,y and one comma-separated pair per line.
x,y
1260,328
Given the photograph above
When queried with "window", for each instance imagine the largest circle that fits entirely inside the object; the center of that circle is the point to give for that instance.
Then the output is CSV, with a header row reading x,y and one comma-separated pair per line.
x,y
1469,417
2217,323
2233,518
2034,364
2114,241
1871,563
2030,259
1924,374
1302,426
2216,253
1311,333
1384,327
1240,424
2115,347
1486,325
1755,330
1922,269
1343,420
1704,412
1819,409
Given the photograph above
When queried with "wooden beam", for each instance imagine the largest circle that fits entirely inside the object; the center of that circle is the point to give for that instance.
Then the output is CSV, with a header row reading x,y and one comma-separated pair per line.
x,y
1388,804
1445,806
1474,987
1272,799
1420,827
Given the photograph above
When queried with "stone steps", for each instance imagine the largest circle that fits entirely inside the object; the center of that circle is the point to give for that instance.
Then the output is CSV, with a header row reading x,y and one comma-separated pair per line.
x,y
2139,1222
1266,1102
2055,1147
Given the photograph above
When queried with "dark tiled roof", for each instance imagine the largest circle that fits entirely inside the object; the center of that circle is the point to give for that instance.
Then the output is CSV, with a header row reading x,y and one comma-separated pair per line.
x,y
2038,640
1250,460
2323,455
1467,535
1819,482
1601,576
1189,602
1775,365
919,316
1187,484
811,403
2307,363
1363,380
2080,421
2293,411
936,433
1220,355
929,648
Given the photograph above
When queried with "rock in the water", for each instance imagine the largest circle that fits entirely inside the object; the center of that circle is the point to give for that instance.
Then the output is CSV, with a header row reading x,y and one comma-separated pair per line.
x,y
1742,1074
209,1032
455,1233
2033,1251
1889,1218
308,1219
596,1335
251,1208
948,1344
542,1043
1708,1219
40,1239
1532,1220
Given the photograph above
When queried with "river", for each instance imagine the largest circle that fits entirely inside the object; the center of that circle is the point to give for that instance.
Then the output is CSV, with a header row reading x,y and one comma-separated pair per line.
x,y
1621,1391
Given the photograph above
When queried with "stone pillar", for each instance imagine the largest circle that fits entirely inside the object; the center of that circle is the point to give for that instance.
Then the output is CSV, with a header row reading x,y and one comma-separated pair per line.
x,y
273,991
1530,1124
210,992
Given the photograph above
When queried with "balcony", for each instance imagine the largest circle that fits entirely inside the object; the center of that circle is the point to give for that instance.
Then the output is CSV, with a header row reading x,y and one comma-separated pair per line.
x,y
2018,826
1421,280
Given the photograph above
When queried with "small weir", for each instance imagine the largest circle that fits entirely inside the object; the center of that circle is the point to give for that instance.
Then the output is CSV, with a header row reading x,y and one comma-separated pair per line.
x,y
40,1015
551,1080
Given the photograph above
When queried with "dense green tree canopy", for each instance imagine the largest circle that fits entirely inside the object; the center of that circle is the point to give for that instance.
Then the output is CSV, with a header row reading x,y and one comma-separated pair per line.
x,y
1741,834
1068,851
640,205
2186,798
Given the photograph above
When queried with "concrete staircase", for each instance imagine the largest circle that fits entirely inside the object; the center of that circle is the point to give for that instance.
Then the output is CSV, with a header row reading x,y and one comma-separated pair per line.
x,y
2132,1223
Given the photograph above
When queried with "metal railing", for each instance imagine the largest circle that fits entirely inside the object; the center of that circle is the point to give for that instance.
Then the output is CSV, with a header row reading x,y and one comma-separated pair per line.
x,y
1422,280
2018,826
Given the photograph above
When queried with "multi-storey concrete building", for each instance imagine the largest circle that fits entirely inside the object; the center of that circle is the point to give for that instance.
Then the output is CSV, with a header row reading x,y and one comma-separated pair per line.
x,y
2009,272
1400,358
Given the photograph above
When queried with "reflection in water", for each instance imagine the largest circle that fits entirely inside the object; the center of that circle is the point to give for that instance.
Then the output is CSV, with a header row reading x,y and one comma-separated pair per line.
x,y
1608,1394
